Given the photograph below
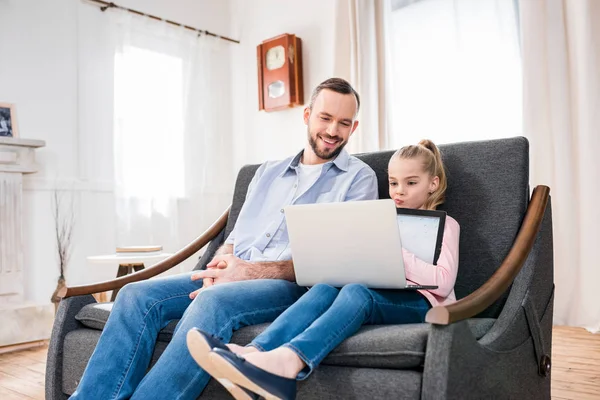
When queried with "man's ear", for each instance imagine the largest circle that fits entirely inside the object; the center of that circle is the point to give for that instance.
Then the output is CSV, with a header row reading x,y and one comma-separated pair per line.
x,y
306,115
354,126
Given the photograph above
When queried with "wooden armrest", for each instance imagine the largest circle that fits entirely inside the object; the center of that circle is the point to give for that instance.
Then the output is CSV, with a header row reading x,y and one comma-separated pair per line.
x,y
154,270
491,290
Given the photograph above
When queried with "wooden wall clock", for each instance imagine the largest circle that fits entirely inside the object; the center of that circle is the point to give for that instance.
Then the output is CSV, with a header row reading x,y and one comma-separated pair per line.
x,y
280,73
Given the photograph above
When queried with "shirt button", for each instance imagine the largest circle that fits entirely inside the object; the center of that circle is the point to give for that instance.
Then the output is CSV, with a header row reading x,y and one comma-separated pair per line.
x,y
268,235
295,186
281,210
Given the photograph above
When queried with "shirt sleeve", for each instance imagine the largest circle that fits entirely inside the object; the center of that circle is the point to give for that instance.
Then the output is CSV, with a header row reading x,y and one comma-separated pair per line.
x,y
257,175
364,186
444,273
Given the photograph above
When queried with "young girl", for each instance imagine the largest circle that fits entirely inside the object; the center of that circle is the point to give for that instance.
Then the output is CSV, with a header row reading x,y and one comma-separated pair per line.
x,y
296,342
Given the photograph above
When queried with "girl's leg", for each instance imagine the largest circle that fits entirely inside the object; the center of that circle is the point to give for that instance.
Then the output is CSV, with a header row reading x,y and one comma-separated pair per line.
x,y
351,308
297,318
355,306
393,307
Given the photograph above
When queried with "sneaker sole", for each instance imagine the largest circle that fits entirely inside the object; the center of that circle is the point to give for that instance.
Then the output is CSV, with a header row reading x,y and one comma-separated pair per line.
x,y
229,372
200,350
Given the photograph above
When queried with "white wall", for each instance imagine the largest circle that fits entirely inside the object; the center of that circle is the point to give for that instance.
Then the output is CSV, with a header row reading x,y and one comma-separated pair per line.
x,y
56,69
260,136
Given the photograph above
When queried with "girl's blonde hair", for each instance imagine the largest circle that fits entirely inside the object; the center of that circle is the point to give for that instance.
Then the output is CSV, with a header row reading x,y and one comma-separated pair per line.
x,y
432,164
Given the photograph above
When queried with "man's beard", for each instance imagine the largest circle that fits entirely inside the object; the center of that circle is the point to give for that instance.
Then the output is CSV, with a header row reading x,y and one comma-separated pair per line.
x,y
325,155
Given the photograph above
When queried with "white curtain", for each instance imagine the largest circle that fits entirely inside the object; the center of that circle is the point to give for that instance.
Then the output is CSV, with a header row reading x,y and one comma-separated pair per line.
x,y
457,70
171,132
561,64
362,58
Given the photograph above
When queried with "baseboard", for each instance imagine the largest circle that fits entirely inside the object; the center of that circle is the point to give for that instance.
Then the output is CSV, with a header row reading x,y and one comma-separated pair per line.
x,y
25,323
23,346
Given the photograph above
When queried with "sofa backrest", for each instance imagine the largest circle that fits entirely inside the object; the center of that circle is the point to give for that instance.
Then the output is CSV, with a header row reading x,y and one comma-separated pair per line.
x,y
488,193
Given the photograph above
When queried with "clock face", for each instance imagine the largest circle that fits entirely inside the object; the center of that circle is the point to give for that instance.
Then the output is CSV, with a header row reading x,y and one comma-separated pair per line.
x,y
275,57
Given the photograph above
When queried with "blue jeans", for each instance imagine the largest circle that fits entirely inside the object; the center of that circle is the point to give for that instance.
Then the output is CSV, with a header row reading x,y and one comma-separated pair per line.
x,y
325,316
117,368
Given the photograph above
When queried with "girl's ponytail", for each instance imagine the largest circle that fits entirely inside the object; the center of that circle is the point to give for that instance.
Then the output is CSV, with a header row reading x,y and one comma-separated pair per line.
x,y
439,196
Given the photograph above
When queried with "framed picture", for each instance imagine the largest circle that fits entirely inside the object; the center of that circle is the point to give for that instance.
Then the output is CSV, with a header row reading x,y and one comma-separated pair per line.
x,y
8,120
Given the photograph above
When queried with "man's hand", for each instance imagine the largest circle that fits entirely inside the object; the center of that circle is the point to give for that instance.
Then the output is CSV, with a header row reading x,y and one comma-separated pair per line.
x,y
225,249
222,268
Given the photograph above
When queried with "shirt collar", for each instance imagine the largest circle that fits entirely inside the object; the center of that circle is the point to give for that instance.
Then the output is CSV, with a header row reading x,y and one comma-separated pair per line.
x,y
341,162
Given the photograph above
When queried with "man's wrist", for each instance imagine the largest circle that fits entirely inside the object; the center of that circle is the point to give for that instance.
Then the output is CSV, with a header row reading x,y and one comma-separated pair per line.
x,y
224,250
251,269
273,270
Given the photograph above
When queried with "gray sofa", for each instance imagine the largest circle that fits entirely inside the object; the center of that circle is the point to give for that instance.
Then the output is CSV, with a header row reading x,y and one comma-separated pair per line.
x,y
495,342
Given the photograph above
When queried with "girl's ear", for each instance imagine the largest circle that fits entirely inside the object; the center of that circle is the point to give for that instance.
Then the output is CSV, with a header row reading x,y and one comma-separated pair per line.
x,y
433,185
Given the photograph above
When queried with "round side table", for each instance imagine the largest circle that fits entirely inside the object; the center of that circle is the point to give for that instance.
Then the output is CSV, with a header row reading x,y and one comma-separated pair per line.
x,y
128,263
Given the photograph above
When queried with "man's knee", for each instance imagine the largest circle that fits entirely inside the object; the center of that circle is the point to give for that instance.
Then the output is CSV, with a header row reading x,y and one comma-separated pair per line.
x,y
134,291
216,300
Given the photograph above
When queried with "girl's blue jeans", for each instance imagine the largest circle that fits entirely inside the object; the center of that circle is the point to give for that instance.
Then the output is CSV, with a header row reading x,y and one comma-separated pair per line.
x,y
325,316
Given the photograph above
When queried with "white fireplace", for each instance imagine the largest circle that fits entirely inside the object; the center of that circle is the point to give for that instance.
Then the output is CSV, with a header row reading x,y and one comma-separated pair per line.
x,y
21,321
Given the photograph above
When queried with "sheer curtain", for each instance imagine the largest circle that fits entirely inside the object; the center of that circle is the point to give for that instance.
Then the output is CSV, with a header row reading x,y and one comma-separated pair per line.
x,y
170,132
561,60
456,70
362,58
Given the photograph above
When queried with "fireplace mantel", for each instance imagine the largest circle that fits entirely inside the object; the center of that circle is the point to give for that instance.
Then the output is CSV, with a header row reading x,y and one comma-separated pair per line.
x,y
18,155
20,320
10,141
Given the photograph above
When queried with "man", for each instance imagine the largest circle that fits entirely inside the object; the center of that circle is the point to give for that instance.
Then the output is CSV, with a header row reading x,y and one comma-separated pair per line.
x,y
251,278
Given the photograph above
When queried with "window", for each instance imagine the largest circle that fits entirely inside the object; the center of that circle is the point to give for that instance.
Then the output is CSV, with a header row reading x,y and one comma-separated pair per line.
x,y
149,137
456,70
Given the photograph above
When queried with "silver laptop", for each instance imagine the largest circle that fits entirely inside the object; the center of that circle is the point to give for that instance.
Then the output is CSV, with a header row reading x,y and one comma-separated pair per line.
x,y
350,242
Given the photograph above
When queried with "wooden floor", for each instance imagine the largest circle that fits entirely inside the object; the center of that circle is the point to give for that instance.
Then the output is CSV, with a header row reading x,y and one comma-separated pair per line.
x,y
22,374
575,370
576,359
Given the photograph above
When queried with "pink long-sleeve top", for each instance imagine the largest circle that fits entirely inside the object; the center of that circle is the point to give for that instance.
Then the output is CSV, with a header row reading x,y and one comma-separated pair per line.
x,y
443,274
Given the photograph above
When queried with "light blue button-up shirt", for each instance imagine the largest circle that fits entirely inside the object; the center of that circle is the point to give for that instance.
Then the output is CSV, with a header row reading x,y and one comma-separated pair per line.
x,y
260,233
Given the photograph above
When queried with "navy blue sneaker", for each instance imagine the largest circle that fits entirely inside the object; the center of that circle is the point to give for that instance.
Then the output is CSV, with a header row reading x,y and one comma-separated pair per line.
x,y
200,344
238,371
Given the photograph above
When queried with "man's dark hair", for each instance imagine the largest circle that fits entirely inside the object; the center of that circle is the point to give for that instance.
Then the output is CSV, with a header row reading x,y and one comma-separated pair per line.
x,y
337,85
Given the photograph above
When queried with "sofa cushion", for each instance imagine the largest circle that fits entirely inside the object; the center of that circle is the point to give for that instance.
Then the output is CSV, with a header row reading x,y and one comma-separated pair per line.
x,y
326,382
378,346
95,316
329,382
374,346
